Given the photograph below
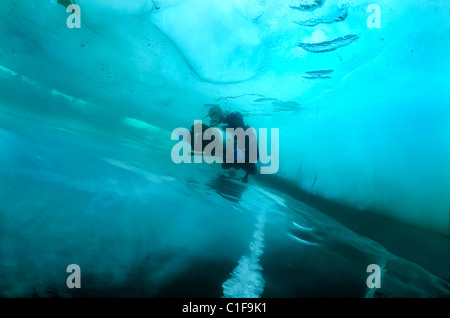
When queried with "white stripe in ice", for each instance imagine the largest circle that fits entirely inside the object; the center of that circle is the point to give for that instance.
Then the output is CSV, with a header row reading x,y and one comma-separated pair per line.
x,y
300,240
246,279
301,227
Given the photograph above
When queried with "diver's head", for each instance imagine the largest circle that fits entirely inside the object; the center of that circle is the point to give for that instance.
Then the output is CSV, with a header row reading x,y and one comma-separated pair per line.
x,y
215,115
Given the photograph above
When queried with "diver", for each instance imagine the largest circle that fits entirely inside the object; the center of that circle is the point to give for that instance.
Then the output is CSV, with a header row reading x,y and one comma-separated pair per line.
x,y
233,120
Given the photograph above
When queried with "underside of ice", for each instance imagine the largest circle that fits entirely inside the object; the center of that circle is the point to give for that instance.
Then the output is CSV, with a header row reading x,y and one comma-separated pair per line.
x,y
373,133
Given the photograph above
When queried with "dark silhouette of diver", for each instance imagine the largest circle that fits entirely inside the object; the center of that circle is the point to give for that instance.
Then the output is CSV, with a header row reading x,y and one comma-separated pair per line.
x,y
232,120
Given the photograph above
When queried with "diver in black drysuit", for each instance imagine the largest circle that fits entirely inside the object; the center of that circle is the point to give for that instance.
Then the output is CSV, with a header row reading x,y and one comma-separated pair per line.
x,y
232,120
235,120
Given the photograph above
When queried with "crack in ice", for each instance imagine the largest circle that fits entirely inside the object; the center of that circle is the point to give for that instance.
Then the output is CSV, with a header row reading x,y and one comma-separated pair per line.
x,y
246,280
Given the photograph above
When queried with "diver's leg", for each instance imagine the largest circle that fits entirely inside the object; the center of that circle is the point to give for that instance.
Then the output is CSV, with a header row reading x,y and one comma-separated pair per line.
x,y
245,179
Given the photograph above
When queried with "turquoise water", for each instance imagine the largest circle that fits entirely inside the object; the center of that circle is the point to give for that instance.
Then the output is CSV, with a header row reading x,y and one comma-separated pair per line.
x,y
86,175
